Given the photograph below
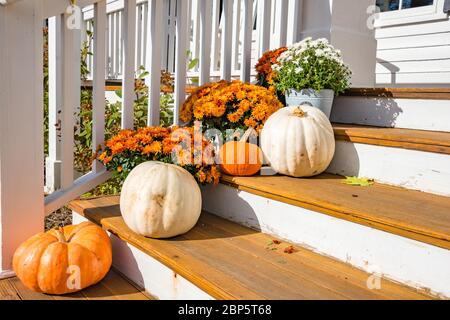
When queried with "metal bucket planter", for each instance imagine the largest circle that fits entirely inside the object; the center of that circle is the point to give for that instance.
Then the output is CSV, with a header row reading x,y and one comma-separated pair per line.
x,y
322,99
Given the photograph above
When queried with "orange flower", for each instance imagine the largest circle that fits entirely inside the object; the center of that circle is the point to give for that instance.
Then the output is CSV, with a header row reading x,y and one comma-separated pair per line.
x,y
230,101
117,148
240,95
155,147
265,74
201,175
156,143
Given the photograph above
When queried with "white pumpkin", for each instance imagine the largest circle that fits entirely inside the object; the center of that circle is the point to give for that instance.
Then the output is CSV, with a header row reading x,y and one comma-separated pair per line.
x,y
298,141
160,200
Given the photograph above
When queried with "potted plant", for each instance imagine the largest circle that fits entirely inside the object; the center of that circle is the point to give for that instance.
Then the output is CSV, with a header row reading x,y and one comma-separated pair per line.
x,y
311,72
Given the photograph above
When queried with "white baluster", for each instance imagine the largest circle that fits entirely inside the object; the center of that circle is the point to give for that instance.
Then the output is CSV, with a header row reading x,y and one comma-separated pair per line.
x,y
128,63
180,62
294,21
53,161
227,31
154,46
98,80
280,20
236,33
70,100
205,40
139,24
264,32
247,41
215,54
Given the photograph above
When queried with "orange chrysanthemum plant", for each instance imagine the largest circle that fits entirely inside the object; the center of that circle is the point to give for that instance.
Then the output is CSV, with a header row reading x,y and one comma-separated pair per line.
x,y
185,147
228,105
264,73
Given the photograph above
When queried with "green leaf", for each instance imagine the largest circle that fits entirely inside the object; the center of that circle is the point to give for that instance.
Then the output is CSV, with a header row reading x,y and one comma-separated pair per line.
x,y
355,181
143,74
193,63
119,93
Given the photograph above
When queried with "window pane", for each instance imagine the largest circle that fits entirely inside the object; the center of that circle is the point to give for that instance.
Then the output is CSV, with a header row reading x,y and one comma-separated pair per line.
x,y
407,4
388,5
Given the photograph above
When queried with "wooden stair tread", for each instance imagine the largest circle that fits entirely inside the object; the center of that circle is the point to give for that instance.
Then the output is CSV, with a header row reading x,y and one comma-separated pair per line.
x,y
401,93
229,261
112,287
430,141
413,214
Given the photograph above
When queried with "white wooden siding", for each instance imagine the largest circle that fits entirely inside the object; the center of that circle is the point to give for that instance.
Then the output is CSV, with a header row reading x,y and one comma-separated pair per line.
x,y
414,55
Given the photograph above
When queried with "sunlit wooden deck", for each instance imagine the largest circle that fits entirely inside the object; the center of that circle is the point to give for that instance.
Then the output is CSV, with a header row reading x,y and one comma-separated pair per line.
x,y
113,287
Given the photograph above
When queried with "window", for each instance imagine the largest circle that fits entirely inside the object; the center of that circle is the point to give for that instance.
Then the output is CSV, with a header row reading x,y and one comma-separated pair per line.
x,y
392,5
396,12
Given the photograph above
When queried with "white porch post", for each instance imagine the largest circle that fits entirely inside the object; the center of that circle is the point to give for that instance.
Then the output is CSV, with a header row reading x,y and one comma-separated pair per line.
x,y
344,23
21,129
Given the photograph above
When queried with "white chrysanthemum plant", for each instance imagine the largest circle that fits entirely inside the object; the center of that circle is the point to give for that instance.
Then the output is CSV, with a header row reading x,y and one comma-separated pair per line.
x,y
312,72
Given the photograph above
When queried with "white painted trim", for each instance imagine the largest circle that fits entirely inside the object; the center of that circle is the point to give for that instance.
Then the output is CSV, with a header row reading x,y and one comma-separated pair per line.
x,y
6,274
400,259
150,274
411,169
413,15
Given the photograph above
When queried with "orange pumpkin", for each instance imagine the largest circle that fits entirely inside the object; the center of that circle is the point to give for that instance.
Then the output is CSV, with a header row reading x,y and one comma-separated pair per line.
x,y
240,158
64,260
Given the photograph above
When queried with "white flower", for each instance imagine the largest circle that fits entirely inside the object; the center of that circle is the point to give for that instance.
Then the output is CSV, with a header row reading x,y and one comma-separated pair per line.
x,y
299,70
320,52
276,67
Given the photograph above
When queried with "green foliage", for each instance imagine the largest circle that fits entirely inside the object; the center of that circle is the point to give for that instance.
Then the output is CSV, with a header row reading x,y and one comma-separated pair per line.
x,y
311,64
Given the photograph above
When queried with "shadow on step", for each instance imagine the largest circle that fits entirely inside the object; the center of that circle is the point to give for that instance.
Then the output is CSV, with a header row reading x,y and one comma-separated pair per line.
x,y
231,206
346,160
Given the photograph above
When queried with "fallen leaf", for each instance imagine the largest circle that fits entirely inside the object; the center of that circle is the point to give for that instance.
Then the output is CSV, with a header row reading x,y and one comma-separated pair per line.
x,y
355,181
276,241
289,250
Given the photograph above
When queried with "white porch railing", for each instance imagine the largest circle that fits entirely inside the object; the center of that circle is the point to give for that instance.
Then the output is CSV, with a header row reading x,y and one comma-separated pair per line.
x,y
280,12
145,33
22,202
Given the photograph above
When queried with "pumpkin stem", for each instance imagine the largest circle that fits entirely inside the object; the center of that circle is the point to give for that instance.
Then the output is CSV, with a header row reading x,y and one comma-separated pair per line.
x,y
298,112
60,235
247,135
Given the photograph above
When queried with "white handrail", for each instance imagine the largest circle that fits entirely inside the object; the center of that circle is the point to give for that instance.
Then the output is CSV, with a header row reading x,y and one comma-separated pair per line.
x,y
80,186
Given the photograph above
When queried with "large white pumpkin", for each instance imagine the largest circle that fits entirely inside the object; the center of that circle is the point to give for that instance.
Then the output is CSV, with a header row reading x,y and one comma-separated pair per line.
x,y
160,200
298,141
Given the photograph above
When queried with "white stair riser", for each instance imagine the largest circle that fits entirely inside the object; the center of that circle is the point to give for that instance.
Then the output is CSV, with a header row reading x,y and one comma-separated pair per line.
x,y
157,279
412,169
393,113
404,260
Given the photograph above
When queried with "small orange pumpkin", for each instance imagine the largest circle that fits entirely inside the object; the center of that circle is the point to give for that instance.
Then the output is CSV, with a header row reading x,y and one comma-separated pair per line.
x,y
64,260
240,158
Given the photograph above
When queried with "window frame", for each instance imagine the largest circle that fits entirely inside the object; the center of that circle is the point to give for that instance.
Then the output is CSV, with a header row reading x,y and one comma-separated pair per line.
x,y
412,15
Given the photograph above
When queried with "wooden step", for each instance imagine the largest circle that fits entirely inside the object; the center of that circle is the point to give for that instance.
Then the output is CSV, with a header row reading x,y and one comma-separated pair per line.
x,y
408,213
112,287
401,93
429,141
229,261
